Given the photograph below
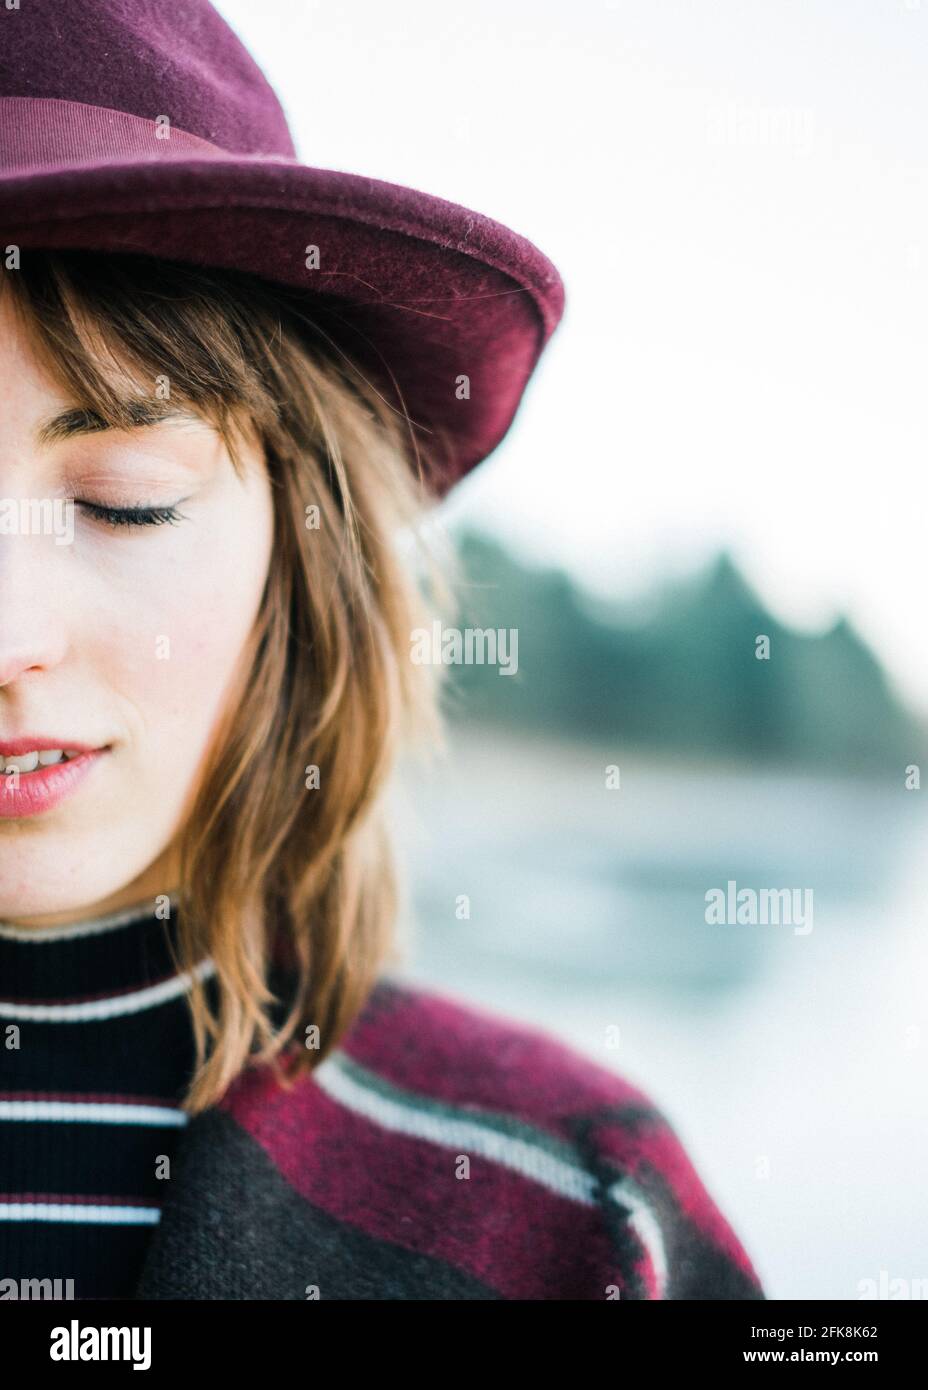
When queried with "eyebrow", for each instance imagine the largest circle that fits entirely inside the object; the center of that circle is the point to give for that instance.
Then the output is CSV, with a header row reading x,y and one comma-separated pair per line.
x,y
71,424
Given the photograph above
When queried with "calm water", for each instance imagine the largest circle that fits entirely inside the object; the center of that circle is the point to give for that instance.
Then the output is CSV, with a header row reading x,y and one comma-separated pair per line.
x,y
792,1063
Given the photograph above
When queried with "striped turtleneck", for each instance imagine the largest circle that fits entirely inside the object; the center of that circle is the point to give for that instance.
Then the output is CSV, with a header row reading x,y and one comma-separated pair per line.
x,y
96,1053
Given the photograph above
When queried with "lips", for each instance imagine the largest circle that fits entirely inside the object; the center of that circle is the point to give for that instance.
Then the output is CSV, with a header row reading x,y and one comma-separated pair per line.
x,y
29,743
29,793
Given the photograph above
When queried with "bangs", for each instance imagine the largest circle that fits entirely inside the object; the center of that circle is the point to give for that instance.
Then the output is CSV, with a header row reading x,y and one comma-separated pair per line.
x,y
130,340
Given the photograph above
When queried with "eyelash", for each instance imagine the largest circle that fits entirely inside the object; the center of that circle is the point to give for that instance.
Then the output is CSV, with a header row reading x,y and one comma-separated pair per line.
x,y
132,516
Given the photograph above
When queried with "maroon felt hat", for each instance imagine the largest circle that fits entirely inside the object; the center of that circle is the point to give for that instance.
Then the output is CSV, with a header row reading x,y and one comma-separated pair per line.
x,y
133,126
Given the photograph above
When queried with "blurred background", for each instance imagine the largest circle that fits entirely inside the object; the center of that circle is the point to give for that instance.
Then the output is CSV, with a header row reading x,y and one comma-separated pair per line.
x,y
725,440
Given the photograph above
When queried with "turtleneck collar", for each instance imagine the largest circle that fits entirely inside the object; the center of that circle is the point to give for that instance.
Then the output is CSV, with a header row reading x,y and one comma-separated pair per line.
x,y
87,926
101,967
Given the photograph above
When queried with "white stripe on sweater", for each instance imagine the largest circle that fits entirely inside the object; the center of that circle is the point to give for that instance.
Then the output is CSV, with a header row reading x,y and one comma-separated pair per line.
x,y
646,1228
133,1002
92,926
468,1135
463,1135
93,1112
78,1213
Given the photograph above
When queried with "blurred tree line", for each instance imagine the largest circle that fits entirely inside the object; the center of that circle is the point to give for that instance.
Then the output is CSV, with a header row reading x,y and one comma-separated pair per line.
x,y
680,674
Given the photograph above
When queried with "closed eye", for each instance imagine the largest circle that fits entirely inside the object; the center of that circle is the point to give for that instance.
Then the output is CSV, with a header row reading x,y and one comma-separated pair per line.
x,y
132,516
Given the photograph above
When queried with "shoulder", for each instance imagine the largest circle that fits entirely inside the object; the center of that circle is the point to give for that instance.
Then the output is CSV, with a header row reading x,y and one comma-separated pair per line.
x,y
491,1144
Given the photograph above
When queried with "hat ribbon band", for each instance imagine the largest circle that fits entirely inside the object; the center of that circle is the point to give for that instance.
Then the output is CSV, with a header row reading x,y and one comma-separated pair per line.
x,y
47,133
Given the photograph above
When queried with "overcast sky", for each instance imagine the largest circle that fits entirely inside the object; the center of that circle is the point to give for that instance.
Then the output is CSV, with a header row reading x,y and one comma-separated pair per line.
x,y
734,192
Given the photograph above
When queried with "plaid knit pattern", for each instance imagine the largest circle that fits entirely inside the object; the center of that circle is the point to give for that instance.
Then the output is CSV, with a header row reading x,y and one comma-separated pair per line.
x,y
441,1152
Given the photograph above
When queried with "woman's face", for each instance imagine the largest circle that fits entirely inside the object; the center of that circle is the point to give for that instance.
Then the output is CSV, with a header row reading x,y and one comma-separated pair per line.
x,y
123,638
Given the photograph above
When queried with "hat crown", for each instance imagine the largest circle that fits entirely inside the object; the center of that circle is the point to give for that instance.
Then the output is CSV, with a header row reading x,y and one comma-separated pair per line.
x,y
147,58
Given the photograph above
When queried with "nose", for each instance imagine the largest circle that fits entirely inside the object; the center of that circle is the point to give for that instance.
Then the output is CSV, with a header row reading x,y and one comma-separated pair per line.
x,y
32,605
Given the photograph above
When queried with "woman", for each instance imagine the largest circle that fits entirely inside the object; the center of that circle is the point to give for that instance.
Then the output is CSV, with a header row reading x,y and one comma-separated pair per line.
x,y
231,386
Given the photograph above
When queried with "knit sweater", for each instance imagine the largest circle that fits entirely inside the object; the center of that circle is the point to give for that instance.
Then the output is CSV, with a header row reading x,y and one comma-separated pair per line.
x,y
97,1050
440,1152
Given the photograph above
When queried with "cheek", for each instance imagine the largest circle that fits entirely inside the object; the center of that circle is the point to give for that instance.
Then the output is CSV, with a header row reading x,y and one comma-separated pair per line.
x,y
174,655
198,638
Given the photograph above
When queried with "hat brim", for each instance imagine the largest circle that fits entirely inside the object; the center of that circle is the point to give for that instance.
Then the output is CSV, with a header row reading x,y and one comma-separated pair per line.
x,y
418,291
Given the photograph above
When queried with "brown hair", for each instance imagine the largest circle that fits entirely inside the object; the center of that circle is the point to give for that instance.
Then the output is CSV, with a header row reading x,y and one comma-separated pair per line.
x,y
269,866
